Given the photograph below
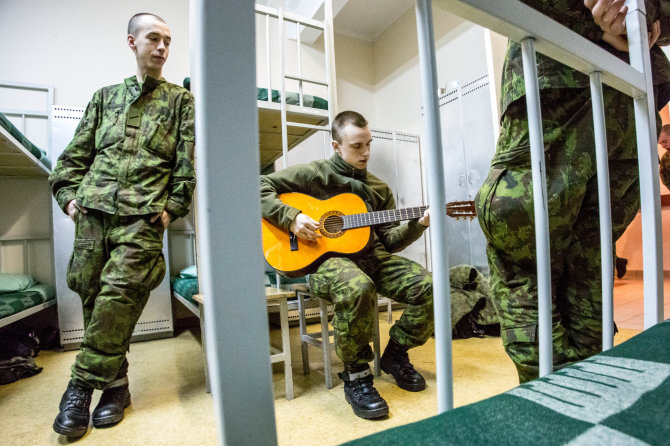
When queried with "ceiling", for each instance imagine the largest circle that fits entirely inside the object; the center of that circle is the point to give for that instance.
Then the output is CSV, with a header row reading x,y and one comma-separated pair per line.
x,y
363,19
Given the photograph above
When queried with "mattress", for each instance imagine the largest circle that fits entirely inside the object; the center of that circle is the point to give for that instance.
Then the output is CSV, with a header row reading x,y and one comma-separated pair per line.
x,y
186,287
621,396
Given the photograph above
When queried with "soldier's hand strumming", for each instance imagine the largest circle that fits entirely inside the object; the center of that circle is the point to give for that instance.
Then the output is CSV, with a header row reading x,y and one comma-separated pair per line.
x,y
305,227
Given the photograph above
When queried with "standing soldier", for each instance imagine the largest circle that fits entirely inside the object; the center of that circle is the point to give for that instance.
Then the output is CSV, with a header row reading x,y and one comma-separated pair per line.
x,y
126,174
505,200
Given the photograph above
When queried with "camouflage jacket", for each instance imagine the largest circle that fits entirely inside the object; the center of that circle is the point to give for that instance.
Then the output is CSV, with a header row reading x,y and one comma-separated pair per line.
x,y
132,152
326,178
574,15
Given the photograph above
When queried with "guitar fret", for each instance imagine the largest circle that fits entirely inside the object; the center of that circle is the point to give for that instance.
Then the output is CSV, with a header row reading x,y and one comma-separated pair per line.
x,y
388,216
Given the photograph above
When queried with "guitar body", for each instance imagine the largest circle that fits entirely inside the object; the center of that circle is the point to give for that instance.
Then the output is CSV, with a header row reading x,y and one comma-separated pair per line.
x,y
309,255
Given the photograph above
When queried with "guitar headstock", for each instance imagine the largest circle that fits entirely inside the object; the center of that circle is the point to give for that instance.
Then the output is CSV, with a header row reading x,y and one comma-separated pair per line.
x,y
461,209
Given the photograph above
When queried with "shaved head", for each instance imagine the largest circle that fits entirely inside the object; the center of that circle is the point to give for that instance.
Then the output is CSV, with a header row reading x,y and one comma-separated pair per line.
x,y
135,21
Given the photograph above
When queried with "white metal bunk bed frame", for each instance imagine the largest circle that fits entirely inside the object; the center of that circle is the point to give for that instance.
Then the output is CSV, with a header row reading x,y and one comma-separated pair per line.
x,y
17,161
9,166
24,241
228,31
329,62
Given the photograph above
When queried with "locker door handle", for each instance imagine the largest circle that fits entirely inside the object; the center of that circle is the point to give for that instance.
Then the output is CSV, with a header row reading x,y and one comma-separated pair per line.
x,y
461,180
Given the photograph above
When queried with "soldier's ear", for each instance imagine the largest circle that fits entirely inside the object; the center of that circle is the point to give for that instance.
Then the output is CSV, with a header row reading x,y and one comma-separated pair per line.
x,y
131,42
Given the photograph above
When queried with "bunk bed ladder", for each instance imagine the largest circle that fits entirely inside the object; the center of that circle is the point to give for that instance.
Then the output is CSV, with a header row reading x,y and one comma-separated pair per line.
x,y
329,55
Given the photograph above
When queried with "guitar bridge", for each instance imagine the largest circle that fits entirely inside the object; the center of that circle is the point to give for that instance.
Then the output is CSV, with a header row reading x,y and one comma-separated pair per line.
x,y
293,241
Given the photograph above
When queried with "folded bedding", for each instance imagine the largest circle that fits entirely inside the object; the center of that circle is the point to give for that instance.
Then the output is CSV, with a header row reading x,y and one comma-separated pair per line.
x,y
38,153
292,98
186,284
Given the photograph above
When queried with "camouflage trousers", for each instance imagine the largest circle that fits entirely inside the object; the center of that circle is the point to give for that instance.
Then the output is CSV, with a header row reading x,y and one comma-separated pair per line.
x,y
506,215
115,264
352,286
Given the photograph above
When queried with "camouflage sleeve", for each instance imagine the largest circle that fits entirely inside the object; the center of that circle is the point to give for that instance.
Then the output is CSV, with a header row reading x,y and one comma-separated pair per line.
x,y
396,236
292,179
570,13
664,17
182,181
76,159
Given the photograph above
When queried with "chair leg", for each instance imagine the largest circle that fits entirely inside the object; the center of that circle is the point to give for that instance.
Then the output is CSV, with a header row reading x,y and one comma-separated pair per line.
x,y
375,339
303,332
325,342
204,348
286,348
389,312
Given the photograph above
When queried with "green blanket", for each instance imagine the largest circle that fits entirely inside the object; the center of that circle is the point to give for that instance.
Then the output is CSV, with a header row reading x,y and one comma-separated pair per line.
x,y
12,303
621,396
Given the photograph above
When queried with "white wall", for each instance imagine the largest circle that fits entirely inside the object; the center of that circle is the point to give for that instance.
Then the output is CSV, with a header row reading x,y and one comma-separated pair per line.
x,y
80,45
460,55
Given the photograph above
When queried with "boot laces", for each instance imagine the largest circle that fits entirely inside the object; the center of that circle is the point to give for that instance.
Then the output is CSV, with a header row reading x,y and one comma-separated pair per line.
x,y
402,361
77,398
363,388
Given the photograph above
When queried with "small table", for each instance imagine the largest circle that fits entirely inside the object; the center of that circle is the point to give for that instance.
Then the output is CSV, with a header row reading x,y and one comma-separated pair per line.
x,y
273,296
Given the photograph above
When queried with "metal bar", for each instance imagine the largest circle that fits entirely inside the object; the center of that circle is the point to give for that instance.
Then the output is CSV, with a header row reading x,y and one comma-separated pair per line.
x,y
540,204
26,86
24,113
308,126
236,326
436,200
298,44
517,21
306,79
329,49
650,196
605,211
289,17
268,58
282,94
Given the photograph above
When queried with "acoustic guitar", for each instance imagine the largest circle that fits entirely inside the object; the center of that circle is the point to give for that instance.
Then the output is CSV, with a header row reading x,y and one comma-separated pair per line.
x,y
344,223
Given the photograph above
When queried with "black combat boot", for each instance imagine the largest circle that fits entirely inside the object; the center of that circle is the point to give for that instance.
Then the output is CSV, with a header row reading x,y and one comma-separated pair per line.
x,y
110,409
395,362
360,393
72,421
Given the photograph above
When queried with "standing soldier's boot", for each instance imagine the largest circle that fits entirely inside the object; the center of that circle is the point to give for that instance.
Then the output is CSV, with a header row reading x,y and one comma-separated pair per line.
x,y
110,409
72,421
395,362
360,393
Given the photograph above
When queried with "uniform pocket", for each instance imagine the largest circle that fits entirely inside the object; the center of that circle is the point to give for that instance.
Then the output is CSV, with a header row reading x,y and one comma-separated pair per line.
x,y
485,196
86,263
158,139
157,272
522,334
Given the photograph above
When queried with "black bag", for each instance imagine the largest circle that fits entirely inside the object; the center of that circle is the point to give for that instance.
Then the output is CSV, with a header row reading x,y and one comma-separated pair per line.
x,y
16,368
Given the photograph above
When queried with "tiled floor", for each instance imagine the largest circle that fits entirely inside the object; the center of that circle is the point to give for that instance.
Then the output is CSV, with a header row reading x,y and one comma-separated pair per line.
x,y
629,302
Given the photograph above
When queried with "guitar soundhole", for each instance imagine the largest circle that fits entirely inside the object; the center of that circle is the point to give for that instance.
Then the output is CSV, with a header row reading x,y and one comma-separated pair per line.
x,y
332,224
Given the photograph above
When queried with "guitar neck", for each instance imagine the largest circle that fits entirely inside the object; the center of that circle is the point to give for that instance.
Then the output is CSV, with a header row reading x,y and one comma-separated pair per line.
x,y
382,217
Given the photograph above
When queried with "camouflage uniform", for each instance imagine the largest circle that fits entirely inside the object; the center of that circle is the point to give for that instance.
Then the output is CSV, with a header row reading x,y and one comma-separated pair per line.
x,y
351,284
471,295
505,200
131,158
